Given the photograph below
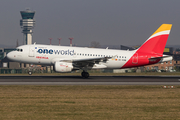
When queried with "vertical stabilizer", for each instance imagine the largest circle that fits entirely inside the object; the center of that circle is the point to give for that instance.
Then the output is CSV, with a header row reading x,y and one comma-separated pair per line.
x,y
157,41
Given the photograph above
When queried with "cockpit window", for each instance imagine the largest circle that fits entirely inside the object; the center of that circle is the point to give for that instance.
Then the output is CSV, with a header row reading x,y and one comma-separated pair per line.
x,y
20,50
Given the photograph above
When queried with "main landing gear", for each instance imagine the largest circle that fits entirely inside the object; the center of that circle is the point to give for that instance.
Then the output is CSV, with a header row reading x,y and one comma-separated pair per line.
x,y
85,74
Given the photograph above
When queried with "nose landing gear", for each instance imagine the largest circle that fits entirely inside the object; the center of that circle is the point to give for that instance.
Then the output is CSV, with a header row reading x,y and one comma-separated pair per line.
x,y
30,72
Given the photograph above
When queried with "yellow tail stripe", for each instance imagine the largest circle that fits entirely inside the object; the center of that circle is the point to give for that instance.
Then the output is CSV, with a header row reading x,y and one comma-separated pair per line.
x,y
163,27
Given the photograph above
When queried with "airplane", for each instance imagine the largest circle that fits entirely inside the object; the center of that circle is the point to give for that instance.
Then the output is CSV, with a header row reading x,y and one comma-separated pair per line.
x,y
67,59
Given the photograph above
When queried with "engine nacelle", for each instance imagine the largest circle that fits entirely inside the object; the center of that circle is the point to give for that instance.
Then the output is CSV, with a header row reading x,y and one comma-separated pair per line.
x,y
63,67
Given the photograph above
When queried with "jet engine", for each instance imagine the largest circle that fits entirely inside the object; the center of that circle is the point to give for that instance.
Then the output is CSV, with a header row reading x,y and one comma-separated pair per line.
x,y
63,67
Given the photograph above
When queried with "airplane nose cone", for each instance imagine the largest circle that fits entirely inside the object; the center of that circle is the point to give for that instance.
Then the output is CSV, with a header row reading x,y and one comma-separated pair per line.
x,y
10,56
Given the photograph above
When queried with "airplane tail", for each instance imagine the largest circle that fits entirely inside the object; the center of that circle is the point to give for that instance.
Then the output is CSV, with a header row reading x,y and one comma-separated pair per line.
x,y
157,41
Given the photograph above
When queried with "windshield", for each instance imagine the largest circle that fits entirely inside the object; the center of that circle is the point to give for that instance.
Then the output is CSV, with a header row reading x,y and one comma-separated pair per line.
x,y
20,50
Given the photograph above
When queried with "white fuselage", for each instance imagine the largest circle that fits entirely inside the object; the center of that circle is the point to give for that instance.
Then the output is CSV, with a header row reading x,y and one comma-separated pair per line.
x,y
48,54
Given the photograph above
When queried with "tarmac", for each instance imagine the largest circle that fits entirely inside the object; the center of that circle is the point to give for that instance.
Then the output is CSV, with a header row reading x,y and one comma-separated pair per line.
x,y
92,80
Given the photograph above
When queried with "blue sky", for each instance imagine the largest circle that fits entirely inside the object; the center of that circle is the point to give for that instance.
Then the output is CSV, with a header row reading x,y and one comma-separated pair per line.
x,y
109,22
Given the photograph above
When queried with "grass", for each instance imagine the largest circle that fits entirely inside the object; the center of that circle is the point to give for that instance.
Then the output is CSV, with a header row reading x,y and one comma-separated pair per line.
x,y
89,102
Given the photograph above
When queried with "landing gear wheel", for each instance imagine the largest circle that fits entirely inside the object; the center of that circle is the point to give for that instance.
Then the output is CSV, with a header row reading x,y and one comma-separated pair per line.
x,y
30,72
85,74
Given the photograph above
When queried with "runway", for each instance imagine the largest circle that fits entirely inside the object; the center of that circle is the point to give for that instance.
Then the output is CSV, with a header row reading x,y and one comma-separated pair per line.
x,y
92,80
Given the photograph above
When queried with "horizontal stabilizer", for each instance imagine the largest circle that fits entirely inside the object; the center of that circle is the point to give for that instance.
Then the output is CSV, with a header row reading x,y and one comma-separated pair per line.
x,y
164,58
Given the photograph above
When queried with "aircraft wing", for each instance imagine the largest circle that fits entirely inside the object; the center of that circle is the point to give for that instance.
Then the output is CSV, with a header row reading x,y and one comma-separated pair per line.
x,y
92,59
84,62
89,62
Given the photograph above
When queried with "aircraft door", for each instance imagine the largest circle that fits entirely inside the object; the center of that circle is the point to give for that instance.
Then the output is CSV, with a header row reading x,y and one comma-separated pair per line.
x,y
31,51
135,59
